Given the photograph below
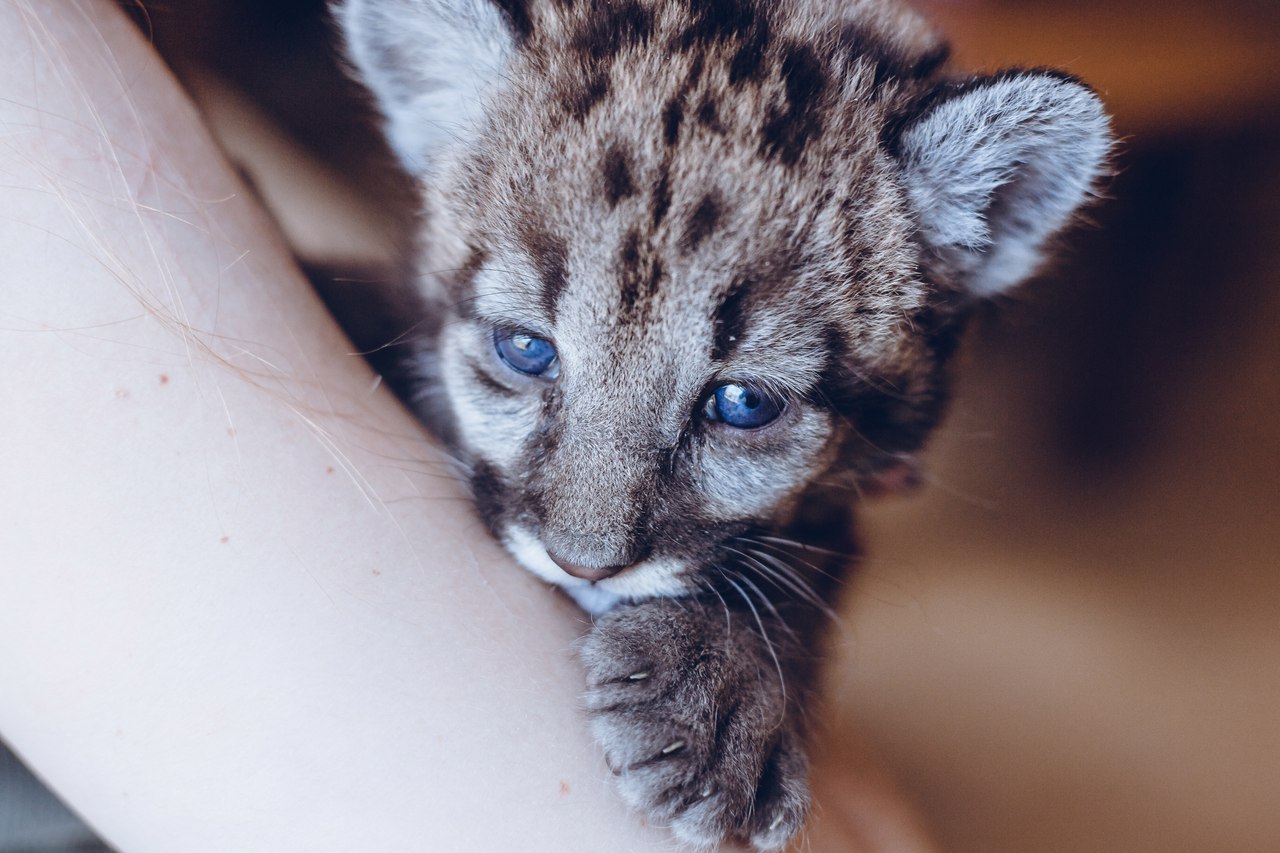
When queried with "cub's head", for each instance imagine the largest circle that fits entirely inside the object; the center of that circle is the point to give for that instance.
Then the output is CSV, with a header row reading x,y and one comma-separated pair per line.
x,y
692,258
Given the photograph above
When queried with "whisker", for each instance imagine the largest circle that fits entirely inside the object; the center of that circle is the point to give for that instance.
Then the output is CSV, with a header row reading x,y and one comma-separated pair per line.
x,y
786,579
764,635
748,541
802,546
728,617
764,599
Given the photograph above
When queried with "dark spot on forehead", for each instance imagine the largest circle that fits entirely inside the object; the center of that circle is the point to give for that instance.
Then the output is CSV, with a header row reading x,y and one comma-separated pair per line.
x,y
709,116
860,42
730,318
790,127
804,77
722,20
672,116
652,282
747,63
616,172
582,96
662,195
640,274
695,72
550,259
613,27
517,14
629,254
889,62
702,221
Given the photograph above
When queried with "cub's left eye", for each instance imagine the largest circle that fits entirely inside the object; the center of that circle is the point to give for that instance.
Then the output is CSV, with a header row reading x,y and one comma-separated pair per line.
x,y
527,354
743,406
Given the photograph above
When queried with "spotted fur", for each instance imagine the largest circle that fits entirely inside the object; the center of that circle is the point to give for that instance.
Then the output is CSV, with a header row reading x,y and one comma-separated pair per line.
x,y
680,194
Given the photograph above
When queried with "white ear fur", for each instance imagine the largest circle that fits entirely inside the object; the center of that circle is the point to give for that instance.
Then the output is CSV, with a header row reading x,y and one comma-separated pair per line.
x,y
430,64
999,168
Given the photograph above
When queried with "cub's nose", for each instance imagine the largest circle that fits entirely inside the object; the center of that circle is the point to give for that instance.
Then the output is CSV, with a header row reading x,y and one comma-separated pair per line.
x,y
587,573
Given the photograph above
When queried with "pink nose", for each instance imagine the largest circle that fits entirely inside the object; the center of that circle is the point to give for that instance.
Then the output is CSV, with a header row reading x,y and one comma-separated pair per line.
x,y
587,573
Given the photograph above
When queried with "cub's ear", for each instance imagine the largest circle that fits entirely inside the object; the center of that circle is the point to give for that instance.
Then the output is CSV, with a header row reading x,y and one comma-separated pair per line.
x,y
430,64
1000,165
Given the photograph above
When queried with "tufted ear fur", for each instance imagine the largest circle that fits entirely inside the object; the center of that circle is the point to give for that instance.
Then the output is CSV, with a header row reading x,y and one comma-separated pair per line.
x,y
430,65
998,167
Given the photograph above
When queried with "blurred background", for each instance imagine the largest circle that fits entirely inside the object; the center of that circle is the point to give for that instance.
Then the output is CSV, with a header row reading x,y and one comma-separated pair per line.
x,y
1070,639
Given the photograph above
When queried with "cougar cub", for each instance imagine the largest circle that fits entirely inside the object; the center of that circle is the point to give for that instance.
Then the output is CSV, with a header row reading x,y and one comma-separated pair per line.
x,y
695,269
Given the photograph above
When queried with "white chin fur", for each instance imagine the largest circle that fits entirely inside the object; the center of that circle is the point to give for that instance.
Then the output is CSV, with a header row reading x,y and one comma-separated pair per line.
x,y
650,579
592,599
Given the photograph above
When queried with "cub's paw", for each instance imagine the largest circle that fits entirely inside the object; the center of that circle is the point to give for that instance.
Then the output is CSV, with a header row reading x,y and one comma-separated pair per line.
x,y
692,714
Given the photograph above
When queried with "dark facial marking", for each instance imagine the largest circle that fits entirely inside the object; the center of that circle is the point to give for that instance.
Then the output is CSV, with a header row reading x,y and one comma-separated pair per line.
x,y
831,389
639,274
489,492
748,61
695,72
582,96
517,15
662,195
546,439
865,45
789,128
615,27
722,21
708,116
629,254
672,116
459,284
730,319
550,258
703,220
616,171
889,62
493,386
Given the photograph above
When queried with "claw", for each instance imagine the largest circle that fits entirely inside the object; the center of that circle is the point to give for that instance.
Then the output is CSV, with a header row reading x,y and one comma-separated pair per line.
x,y
777,822
638,676
673,747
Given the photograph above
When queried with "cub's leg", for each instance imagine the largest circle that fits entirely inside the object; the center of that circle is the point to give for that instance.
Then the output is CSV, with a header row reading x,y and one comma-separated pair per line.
x,y
699,717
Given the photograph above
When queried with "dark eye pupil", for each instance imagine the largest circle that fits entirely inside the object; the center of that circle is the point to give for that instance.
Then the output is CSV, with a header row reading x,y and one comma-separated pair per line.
x,y
743,406
526,353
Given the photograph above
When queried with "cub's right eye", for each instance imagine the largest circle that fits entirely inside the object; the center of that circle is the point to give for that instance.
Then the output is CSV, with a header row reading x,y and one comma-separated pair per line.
x,y
527,354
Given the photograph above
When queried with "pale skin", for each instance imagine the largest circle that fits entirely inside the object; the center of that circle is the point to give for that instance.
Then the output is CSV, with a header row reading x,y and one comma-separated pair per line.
x,y
242,604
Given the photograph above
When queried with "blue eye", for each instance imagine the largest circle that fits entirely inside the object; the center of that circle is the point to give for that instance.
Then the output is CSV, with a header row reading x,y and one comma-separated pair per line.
x,y
527,354
743,406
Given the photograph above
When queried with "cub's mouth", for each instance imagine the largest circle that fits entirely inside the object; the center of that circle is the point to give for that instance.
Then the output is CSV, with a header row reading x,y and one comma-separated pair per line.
x,y
599,590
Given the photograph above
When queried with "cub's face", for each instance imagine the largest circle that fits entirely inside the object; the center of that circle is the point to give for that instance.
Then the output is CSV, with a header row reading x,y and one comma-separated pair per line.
x,y
661,335
692,259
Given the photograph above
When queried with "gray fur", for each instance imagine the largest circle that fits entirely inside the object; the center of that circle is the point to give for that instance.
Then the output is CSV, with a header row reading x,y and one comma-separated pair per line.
x,y
997,170
679,194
